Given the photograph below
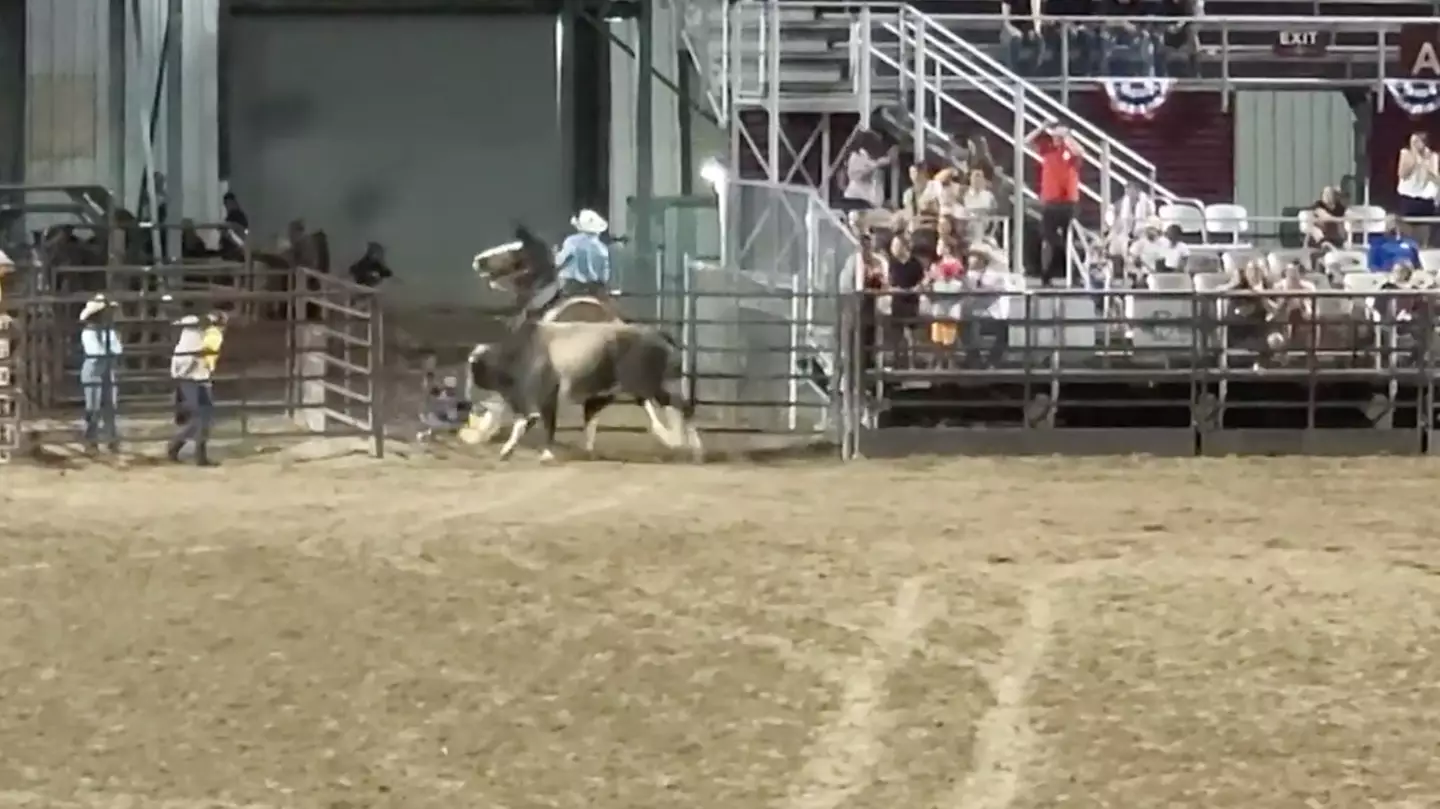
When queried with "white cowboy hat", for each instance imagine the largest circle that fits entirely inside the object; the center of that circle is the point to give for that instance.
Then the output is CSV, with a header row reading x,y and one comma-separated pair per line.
x,y
188,320
95,305
587,221
1154,223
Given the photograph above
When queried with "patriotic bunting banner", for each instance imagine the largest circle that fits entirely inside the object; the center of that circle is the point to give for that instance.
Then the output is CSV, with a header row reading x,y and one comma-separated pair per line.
x,y
1138,99
1417,98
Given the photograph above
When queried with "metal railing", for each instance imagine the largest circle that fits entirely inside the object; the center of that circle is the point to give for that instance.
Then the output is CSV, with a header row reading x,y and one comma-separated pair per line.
x,y
1169,373
273,380
1234,51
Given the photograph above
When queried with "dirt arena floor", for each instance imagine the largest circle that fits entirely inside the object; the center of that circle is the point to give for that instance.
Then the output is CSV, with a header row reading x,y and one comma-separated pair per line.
x,y
950,634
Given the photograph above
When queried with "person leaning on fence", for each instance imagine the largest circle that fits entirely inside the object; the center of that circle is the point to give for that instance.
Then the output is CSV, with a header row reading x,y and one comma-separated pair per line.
x,y
192,366
102,350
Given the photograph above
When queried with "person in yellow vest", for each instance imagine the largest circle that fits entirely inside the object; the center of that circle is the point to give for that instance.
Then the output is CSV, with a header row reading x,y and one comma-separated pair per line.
x,y
192,366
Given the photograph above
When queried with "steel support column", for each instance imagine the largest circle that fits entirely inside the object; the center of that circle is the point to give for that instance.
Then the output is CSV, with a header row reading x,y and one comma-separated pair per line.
x,y
645,132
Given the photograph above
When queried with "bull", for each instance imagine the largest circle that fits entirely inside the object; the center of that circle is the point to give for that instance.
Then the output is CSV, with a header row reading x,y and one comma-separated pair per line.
x,y
540,364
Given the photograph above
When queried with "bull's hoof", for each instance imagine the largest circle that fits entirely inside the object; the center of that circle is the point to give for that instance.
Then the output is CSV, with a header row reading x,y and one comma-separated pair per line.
x,y
546,456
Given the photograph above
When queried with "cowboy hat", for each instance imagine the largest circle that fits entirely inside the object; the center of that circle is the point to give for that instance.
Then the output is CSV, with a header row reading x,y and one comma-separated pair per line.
x,y
587,221
6,265
94,306
188,320
1154,223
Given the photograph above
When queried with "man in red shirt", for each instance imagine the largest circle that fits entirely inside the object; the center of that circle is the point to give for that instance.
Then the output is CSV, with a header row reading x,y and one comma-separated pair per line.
x,y
1059,195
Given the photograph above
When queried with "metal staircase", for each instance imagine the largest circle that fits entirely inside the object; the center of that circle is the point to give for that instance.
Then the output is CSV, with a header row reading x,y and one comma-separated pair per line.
x,y
922,78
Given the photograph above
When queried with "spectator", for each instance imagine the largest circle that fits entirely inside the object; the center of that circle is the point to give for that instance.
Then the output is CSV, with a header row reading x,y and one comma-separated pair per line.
x,y
979,205
192,246
1021,34
371,269
869,272
7,266
1247,307
1129,45
865,173
1179,40
1125,220
922,211
983,314
906,275
1327,223
234,214
1392,246
101,347
978,156
1059,194
192,366
1072,35
1417,182
1292,315
1147,253
945,283
1176,254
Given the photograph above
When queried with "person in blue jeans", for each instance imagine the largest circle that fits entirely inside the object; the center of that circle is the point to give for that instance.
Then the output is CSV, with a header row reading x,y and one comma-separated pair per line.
x,y
102,351
192,366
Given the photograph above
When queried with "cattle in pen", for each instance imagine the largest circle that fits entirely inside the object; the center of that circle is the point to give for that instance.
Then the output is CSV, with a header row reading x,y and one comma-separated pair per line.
x,y
539,365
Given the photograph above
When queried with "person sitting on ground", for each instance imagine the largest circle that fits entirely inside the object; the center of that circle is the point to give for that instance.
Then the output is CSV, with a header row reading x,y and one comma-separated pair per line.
x,y
446,410
1391,247
371,270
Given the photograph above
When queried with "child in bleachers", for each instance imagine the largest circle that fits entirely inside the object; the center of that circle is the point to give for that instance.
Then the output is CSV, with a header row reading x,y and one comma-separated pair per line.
x,y
946,279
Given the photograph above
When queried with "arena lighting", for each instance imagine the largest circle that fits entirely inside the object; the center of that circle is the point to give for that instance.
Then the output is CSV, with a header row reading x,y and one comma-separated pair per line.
x,y
712,172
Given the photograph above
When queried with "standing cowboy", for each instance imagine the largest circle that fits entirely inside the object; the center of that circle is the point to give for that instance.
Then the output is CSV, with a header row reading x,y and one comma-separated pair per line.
x,y
101,346
192,366
584,258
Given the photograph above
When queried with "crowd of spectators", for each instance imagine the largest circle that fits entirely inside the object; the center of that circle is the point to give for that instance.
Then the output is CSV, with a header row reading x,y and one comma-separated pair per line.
x,y
919,255
1122,38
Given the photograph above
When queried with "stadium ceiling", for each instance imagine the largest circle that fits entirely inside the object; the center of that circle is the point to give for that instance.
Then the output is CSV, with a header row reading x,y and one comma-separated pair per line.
x,y
615,8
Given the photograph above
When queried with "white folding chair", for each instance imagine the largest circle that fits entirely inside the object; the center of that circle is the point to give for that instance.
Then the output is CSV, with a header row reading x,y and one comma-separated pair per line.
x,y
1363,220
1190,219
1227,222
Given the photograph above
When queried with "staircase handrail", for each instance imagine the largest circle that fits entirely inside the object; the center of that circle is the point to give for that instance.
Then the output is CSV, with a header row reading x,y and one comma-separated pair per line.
x,y
983,66
933,87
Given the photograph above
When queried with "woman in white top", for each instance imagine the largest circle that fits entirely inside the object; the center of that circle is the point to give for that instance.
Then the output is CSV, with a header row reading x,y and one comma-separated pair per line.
x,y
1125,219
1417,178
979,203
865,173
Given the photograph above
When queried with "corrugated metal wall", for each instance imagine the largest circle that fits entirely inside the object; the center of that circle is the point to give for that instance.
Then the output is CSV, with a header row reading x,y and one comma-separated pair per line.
x,y
69,114
1288,145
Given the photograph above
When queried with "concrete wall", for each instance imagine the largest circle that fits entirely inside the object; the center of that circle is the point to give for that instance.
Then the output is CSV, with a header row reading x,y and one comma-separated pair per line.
x,y
430,134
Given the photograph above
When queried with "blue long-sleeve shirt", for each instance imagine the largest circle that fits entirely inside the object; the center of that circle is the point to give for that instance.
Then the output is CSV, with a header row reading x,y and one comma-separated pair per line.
x,y
1386,249
584,258
100,343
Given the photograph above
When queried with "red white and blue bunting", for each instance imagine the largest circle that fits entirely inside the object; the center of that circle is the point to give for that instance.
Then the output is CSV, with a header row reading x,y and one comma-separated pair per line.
x,y
1138,99
1417,98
